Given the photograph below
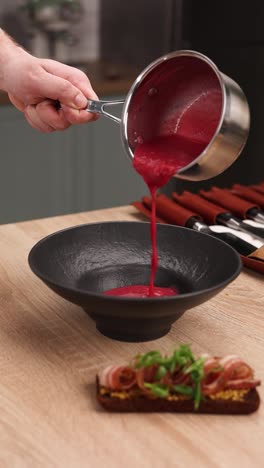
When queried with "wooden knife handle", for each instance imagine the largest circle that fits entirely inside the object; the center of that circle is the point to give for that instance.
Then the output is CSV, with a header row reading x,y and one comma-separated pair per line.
x,y
208,210
248,194
258,188
236,205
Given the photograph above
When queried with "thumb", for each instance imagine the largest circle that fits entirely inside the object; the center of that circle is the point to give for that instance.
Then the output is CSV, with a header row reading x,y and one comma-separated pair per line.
x,y
59,89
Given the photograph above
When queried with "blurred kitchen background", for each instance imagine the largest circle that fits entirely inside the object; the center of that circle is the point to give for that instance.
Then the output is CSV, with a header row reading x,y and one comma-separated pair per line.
x,y
85,167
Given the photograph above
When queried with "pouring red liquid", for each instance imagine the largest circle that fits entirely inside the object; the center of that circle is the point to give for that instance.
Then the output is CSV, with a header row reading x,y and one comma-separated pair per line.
x,y
155,161
184,137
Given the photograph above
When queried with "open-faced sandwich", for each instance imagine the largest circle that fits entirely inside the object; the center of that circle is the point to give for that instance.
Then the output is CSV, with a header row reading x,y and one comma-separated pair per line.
x,y
179,383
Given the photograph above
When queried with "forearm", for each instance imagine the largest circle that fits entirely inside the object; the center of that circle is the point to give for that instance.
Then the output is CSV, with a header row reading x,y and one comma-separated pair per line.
x,y
9,50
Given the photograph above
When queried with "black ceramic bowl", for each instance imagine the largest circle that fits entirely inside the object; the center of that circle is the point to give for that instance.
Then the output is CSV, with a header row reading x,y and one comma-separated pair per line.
x,y
82,262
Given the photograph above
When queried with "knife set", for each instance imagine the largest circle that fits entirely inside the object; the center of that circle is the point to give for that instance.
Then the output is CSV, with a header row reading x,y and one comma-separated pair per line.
x,y
234,215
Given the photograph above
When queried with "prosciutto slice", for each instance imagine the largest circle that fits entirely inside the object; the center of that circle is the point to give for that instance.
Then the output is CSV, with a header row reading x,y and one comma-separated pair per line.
x,y
229,372
118,377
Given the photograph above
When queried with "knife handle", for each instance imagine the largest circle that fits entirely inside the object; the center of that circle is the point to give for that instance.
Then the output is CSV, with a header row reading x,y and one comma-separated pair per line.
x,y
228,200
208,210
242,247
248,194
171,211
258,188
177,214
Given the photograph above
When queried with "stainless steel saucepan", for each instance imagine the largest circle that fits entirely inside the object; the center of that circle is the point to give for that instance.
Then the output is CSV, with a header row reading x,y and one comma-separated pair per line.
x,y
163,100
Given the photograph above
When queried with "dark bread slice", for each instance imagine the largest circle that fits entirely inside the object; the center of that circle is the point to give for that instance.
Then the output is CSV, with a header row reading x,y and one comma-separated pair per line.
x,y
144,404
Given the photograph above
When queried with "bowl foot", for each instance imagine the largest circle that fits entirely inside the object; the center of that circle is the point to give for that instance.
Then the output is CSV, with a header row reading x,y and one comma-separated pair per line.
x,y
133,336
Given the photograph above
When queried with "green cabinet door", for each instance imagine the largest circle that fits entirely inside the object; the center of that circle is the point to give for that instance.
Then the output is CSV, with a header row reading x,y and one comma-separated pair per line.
x,y
42,174
82,168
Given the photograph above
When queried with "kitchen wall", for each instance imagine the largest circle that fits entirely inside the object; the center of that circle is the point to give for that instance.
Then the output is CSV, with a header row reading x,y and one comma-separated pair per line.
x,y
85,32
137,32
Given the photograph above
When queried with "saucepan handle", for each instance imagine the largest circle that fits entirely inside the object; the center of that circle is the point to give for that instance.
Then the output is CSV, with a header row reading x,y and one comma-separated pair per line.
x,y
98,107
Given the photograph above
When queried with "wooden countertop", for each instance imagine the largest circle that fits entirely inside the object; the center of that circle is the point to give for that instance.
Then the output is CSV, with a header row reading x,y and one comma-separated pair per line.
x,y
106,79
50,352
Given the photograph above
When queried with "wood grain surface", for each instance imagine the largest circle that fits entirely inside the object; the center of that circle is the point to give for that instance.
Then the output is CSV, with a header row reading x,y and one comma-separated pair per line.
x,y
50,352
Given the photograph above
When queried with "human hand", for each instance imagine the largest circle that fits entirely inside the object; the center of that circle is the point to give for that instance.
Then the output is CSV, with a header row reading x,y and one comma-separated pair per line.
x,y
34,84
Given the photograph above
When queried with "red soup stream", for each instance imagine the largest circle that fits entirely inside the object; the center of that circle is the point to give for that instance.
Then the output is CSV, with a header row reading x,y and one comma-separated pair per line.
x,y
158,159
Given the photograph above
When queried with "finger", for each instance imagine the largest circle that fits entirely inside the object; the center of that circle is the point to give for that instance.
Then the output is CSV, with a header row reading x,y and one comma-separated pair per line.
x,y
75,116
50,116
16,102
59,89
36,122
77,77
32,124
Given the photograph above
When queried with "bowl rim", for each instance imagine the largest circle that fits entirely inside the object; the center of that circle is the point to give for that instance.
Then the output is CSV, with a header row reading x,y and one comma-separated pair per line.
x,y
125,299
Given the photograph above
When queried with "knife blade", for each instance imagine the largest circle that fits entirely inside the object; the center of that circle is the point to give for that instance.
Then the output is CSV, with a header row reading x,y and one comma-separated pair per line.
x,y
227,201
175,213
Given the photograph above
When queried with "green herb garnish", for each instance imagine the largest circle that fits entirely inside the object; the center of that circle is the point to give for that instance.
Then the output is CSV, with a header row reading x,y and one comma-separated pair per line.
x,y
184,390
148,359
196,371
161,372
159,390
181,360
181,357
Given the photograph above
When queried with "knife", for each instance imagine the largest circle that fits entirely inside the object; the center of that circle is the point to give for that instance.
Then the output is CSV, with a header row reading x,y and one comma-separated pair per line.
x,y
213,214
236,205
258,187
250,195
175,213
